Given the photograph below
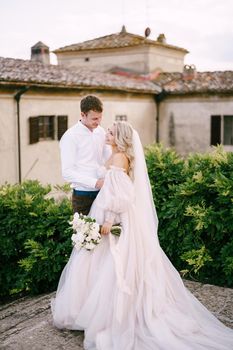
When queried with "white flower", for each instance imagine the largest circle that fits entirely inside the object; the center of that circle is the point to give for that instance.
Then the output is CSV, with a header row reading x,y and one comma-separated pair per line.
x,y
76,223
86,232
80,237
90,246
81,231
77,238
74,238
78,246
75,218
96,226
95,235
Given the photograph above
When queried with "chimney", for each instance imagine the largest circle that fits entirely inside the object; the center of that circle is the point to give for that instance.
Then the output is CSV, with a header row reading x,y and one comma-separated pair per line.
x,y
189,72
162,39
40,53
123,29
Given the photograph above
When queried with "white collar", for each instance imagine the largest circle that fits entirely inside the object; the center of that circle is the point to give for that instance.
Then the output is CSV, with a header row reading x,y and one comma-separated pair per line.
x,y
85,130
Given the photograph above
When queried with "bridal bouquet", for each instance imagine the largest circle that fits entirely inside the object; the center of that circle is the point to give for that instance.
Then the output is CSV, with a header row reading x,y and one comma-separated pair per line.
x,y
88,232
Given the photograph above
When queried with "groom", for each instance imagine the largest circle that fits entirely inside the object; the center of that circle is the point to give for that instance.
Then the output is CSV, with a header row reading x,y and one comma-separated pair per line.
x,y
83,151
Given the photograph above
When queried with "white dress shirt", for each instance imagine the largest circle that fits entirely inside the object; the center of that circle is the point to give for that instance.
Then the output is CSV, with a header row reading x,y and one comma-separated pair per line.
x,y
83,152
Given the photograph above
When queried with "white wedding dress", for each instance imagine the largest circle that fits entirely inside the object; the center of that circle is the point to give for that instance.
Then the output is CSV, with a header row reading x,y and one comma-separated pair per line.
x,y
126,294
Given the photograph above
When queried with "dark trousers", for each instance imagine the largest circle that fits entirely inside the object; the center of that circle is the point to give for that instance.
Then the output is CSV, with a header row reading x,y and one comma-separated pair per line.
x,y
82,203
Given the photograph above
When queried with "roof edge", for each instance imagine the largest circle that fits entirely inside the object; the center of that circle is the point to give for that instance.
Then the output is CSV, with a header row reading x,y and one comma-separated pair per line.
x,y
76,87
147,41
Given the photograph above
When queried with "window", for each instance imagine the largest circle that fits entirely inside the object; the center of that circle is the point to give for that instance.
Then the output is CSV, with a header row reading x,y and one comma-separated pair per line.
x,y
62,125
47,127
221,130
121,117
215,130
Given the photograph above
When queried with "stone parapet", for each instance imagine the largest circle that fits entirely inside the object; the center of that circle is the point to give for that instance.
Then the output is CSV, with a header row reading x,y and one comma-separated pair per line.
x,y
26,324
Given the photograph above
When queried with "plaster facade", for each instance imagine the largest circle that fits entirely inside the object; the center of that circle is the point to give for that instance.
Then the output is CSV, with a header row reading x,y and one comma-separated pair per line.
x,y
143,59
8,138
165,59
41,160
185,121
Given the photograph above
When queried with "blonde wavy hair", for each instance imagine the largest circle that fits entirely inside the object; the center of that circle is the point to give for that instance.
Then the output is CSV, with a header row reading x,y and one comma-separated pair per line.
x,y
124,142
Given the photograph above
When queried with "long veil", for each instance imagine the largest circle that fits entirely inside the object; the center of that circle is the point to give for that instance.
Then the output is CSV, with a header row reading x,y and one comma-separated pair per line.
x,y
157,306
143,194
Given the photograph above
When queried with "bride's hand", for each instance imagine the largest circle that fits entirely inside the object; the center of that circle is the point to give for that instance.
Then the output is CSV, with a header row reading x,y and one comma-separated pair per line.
x,y
106,228
99,183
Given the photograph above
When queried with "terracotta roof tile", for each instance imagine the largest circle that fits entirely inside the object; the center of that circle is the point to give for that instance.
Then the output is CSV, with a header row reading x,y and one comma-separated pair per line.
x,y
200,82
117,40
183,83
35,73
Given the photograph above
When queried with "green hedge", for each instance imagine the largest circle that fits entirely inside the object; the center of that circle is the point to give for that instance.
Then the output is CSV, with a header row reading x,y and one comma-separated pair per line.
x,y
193,198
34,236
194,201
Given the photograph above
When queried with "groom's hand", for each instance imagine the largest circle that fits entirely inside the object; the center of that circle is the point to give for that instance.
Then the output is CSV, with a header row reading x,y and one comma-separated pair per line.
x,y
106,228
99,184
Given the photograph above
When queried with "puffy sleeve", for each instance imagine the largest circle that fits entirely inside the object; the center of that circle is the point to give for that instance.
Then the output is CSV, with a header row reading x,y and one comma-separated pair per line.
x,y
117,193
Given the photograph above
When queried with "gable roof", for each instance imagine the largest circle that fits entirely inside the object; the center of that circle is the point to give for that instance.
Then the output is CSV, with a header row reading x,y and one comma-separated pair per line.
x,y
117,40
34,73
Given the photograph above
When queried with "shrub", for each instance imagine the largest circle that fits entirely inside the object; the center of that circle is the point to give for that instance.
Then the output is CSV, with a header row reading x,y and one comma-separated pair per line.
x,y
194,203
166,173
35,238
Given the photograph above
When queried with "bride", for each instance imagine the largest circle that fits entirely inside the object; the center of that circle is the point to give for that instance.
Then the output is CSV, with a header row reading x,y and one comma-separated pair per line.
x,y
125,294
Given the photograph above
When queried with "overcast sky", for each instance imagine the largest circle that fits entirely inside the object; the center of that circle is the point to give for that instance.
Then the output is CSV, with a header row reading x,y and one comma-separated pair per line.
x,y
203,27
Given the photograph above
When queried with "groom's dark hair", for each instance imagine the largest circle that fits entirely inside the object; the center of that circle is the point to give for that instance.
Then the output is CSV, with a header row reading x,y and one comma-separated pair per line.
x,y
91,103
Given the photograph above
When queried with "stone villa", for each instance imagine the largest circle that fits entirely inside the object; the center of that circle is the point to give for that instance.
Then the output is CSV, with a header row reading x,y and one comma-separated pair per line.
x,y
138,79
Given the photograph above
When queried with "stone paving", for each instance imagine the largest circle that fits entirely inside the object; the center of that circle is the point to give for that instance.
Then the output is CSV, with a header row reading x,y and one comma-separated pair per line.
x,y
27,323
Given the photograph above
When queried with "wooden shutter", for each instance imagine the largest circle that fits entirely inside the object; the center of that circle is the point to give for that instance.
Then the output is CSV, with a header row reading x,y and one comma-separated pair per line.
x,y
228,130
52,127
215,137
62,124
33,130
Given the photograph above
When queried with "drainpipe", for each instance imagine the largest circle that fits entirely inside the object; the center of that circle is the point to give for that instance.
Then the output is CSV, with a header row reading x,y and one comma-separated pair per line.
x,y
158,98
17,97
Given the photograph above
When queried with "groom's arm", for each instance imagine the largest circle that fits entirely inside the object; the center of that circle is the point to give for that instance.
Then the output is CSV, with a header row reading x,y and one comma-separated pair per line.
x,y
69,170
